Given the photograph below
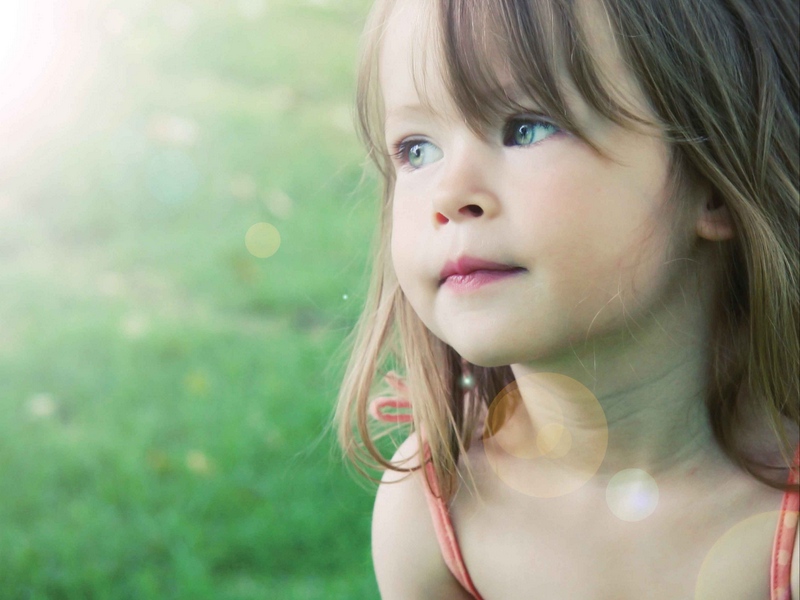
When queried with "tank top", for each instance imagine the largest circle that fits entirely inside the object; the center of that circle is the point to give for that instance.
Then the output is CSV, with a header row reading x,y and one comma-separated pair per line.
x,y
782,546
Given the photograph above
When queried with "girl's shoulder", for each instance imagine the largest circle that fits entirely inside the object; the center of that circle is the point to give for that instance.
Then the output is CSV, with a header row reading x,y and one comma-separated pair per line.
x,y
405,551
716,534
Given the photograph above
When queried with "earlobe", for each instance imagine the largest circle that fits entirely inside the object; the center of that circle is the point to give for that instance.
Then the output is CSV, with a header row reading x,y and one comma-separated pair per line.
x,y
714,222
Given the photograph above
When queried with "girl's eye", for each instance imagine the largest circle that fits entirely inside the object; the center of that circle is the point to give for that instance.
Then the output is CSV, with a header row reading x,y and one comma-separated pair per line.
x,y
525,132
417,153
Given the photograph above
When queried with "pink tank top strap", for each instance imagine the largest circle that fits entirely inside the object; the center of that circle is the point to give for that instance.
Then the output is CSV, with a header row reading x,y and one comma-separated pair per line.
x,y
396,410
785,536
445,533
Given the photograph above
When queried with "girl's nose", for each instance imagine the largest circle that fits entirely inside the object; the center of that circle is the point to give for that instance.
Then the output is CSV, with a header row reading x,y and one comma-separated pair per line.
x,y
465,190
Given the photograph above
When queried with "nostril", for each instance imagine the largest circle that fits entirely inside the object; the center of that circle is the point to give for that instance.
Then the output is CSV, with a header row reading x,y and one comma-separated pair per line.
x,y
474,210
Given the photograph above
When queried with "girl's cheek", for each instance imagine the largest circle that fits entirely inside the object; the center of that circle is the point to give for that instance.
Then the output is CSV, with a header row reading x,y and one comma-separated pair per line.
x,y
404,238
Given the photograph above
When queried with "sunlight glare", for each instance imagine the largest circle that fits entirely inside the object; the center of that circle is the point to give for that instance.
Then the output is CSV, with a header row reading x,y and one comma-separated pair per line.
x,y
43,63
29,37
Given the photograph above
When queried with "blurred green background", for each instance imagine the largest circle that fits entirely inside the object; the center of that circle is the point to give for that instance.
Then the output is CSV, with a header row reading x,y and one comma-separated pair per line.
x,y
164,391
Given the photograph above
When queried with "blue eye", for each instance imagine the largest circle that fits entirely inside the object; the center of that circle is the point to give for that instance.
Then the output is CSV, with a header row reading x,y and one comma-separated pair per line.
x,y
417,153
526,132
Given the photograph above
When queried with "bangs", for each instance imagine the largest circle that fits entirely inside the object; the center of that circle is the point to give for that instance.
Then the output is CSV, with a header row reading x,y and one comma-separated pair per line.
x,y
502,56
498,58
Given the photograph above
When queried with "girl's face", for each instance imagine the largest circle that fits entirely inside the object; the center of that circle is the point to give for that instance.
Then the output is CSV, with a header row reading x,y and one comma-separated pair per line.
x,y
547,241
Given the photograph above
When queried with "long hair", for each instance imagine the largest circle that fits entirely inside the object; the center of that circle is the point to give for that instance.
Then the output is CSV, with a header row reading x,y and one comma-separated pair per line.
x,y
721,77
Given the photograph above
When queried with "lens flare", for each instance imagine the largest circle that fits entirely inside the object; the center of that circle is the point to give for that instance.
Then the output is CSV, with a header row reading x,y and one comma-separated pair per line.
x,y
262,240
632,495
545,456
726,570
48,57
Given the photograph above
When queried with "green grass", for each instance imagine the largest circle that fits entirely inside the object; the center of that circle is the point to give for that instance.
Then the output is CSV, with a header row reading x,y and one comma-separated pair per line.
x,y
163,393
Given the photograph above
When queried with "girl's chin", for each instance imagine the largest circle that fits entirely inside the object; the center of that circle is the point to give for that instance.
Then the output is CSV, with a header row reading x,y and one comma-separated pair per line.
x,y
485,354
484,357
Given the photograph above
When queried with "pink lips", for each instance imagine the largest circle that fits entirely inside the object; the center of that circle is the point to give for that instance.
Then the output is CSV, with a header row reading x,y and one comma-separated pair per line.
x,y
469,273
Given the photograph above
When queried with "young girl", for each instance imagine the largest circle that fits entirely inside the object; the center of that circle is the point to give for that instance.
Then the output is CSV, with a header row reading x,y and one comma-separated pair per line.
x,y
587,278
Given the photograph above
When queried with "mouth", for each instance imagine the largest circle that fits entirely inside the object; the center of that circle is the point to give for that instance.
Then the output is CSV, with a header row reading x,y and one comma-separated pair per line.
x,y
467,270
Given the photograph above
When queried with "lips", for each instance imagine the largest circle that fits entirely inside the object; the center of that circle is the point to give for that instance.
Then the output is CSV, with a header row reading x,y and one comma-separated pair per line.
x,y
467,265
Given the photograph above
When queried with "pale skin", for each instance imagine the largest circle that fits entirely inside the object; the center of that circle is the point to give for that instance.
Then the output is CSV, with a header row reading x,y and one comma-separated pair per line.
x,y
605,299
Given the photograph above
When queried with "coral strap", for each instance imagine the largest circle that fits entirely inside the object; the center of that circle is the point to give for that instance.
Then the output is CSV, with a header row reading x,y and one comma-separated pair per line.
x,y
444,530
397,410
780,571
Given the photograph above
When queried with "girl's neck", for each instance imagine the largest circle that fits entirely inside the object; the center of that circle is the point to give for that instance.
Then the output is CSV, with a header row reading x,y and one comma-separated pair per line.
x,y
650,381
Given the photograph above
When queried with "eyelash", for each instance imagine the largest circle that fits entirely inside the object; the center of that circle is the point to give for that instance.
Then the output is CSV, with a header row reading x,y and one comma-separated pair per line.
x,y
509,128
400,149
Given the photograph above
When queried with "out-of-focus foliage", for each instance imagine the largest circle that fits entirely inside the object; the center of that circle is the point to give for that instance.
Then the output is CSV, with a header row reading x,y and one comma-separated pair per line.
x,y
163,389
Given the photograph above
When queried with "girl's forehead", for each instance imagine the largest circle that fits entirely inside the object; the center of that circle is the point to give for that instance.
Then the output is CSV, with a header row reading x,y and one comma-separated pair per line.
x,y
415,80
413,75
413,70
410,54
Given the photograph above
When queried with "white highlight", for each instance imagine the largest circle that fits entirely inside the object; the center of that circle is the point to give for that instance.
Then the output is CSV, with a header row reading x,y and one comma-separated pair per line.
x,y
48,56
632,495
29,38
42,406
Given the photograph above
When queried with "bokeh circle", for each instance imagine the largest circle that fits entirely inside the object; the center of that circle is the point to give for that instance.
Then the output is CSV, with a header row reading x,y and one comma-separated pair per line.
x,y
632,495
262,240
726,571
553,455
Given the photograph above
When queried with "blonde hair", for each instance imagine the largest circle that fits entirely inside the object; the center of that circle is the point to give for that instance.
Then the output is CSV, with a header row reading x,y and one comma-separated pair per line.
x,y
722,80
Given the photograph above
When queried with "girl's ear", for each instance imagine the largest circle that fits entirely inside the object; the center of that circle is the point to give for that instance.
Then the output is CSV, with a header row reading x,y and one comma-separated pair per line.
x,y
714,221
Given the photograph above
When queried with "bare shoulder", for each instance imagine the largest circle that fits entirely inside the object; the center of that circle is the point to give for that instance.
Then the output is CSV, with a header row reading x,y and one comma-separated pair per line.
x,y
405,552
